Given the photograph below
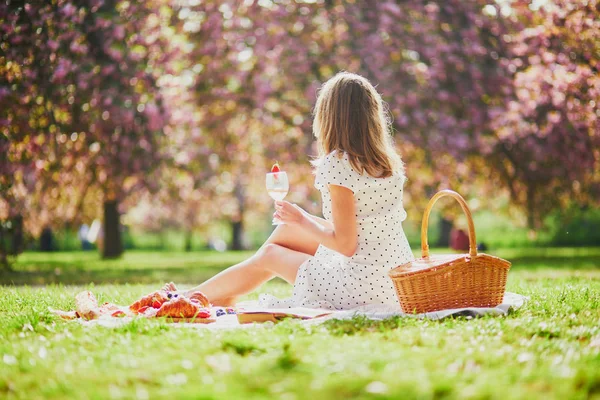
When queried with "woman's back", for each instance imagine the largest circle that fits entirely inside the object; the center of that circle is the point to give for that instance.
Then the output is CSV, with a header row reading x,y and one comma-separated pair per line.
x,y
379,210
364,239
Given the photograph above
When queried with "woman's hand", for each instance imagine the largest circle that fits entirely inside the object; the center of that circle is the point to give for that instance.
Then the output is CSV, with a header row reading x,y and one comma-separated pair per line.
x,y
289,213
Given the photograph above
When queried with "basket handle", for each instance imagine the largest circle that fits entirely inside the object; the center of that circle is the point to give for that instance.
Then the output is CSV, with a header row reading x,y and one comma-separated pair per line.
x,y
464,206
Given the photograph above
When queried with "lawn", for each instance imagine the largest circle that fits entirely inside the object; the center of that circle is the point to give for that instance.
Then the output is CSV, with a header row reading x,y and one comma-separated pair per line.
x,y
548,349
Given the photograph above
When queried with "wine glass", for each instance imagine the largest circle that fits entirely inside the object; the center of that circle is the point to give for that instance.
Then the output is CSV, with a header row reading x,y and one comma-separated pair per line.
x,y
277,187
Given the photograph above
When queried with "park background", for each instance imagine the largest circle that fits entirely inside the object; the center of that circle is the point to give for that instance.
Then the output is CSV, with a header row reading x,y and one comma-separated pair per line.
x,y
160,118
170,113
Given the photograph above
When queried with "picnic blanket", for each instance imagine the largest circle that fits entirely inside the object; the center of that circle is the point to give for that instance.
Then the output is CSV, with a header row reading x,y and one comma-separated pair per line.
x,y
511,301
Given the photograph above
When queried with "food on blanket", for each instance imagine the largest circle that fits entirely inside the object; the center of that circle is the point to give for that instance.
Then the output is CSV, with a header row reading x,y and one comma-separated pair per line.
x,y
65,314
275,168
221,312
230,310
147,312
155,300
118,313
201,298
108,308
180,307
156,304
86,305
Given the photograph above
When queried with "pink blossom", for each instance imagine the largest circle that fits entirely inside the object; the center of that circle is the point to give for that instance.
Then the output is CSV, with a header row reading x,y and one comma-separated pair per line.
x,y
108,69
68,10
119,32
62,69
53,45
392,8
155,120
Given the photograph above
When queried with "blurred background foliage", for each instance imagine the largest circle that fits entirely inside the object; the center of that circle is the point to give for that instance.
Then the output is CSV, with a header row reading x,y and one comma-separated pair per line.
x,y
160,117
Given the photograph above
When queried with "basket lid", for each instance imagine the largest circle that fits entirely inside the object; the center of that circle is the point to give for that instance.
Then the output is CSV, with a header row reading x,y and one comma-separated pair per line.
x,y
436,261
426,263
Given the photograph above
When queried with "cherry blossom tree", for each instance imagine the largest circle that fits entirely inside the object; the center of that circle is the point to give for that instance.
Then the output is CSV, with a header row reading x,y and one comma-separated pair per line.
x,y
546,148
178,107
80,100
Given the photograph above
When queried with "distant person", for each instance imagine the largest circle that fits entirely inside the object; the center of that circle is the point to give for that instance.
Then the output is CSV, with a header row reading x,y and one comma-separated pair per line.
x,y
459,240
82,234
217,244
96,234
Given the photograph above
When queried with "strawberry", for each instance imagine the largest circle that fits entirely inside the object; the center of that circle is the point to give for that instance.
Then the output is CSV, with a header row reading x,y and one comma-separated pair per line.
x,y
156,304
143,309
203,313
118,313
275,168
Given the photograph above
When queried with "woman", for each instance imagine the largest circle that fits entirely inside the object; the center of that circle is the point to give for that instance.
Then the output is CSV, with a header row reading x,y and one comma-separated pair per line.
x,y
340,262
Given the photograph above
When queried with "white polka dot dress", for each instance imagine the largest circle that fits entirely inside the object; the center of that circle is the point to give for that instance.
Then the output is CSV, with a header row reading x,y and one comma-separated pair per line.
x,y
333,281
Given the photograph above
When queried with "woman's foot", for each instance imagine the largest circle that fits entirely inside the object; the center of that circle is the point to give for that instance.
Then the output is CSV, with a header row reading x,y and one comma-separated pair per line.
x,y
169,287
228,302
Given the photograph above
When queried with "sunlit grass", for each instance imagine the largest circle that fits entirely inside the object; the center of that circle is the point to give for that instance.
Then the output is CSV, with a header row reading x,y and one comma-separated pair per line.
x,y
548,349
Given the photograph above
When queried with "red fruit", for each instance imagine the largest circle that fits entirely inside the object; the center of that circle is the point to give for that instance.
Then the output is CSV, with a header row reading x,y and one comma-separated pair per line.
x,y
203,313
143,310
156,304
275,168
118,313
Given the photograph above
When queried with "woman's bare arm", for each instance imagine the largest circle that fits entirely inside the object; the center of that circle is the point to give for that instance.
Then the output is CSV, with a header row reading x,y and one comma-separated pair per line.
x,y
341,235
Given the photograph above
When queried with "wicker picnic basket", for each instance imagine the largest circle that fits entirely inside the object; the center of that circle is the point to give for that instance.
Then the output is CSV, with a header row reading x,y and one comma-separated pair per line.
x,y
439,282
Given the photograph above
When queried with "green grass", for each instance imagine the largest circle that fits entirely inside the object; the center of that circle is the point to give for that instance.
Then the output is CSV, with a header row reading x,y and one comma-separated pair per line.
x,y
548,349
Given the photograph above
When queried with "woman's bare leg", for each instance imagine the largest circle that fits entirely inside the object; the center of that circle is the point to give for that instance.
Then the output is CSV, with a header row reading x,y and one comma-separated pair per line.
x,y
270,261
295,239
281,255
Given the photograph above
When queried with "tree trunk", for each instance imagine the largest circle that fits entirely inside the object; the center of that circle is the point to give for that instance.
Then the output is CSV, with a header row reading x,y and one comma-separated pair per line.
x,y
531,222
113,246
237,224
3,248
17,235
445,228
188,241
237,233
47,239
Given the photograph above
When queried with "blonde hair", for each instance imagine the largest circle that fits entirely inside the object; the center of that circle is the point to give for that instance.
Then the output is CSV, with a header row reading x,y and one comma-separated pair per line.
x,y
350,117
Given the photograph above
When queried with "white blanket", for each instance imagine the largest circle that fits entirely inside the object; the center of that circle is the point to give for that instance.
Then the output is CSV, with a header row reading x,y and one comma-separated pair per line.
x,y
511,301
376,312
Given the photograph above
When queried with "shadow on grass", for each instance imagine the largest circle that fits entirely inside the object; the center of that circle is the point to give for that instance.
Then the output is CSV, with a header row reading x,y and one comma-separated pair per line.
x,y
82,268
68,276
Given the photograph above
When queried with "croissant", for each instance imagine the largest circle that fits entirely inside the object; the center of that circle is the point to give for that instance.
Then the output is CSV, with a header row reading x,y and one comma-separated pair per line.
x,y
179,307
201,298
86,305
154,299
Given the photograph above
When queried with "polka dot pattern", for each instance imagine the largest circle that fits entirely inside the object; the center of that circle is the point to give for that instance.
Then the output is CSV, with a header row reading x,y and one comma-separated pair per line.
x,y
333,281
